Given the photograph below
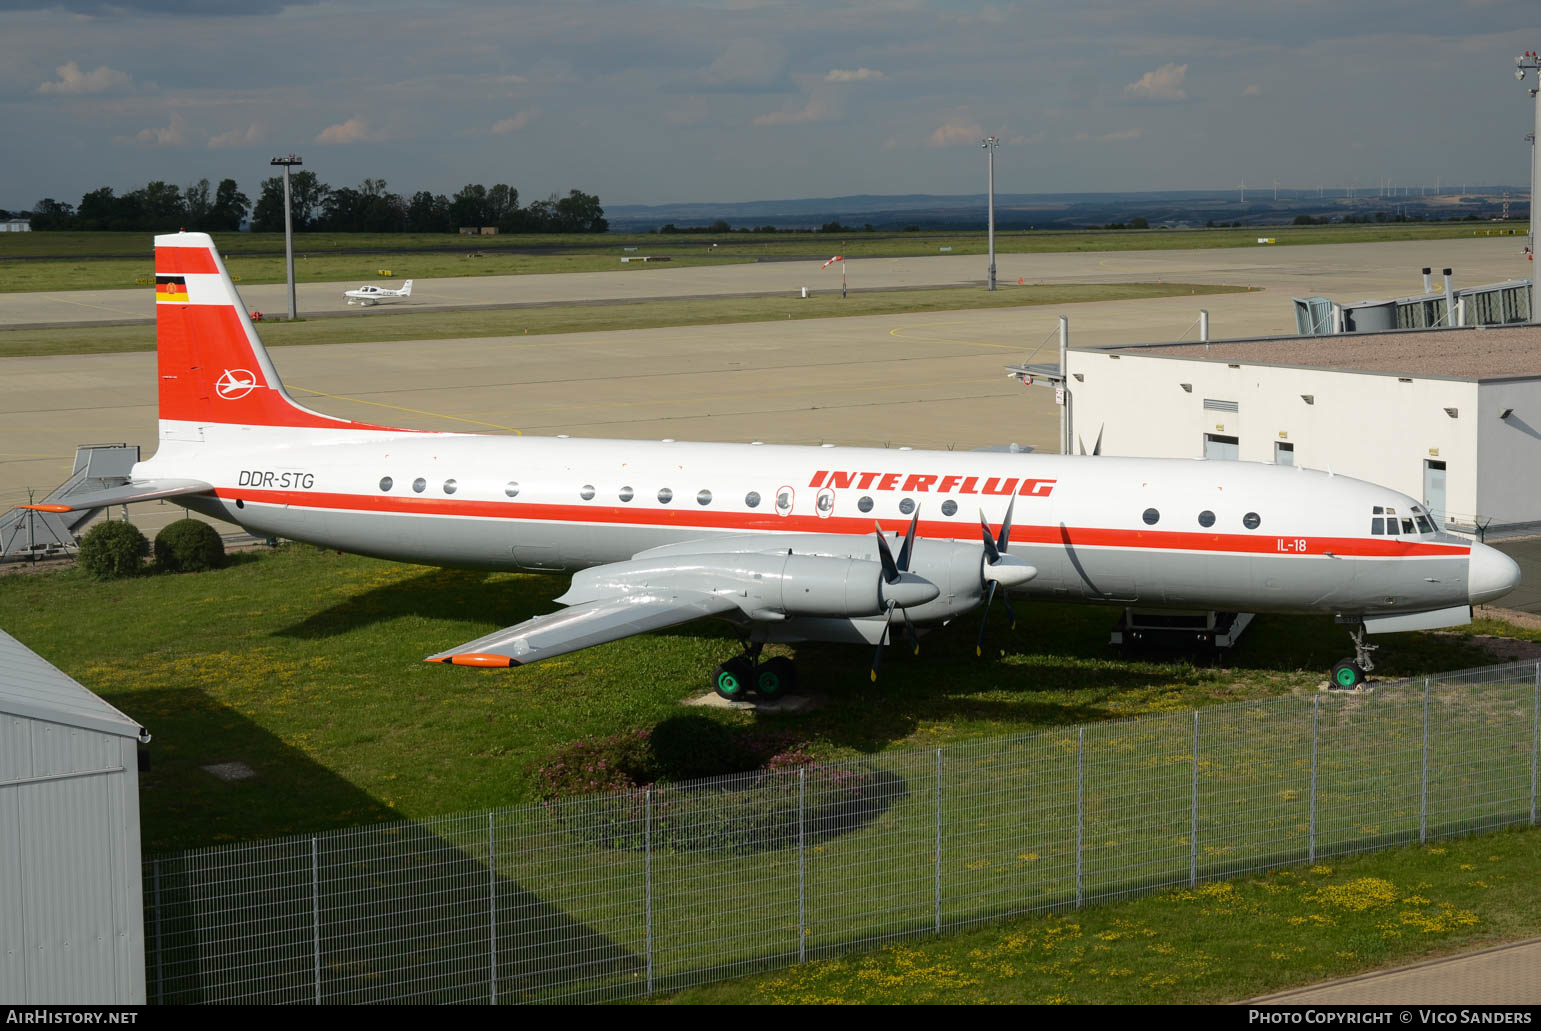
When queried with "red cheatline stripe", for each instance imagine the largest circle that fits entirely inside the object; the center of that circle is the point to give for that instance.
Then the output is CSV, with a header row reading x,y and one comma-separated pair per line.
x,y
171,261
747,522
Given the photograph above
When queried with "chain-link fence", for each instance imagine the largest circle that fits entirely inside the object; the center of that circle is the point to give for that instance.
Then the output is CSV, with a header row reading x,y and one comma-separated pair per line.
x,y
616,896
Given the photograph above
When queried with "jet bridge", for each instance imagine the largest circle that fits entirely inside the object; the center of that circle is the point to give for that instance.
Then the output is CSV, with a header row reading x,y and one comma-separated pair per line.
x,y
25,533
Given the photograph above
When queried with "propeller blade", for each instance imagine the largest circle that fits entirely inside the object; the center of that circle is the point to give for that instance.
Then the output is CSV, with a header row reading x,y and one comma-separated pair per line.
x,y
979,645
992,554
909,628
909,540
1011,613
886,557
1005,540
877,656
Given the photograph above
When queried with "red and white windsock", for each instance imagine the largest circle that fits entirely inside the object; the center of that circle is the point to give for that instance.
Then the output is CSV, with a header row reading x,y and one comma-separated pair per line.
x,y
831,261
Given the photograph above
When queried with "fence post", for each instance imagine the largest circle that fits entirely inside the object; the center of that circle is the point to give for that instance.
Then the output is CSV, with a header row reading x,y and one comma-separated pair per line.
x,y
1535,742
802,895
1080,806
938,841
1316,722
647,848
160,975
1423,793
492,910
1193,829
315,908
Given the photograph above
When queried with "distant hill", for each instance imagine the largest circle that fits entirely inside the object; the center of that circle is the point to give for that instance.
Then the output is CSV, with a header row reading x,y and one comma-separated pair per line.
x,y
1066,210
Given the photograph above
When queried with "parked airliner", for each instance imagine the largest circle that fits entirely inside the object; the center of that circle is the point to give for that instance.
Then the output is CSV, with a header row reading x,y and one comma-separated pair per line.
x,y
371,293
787,543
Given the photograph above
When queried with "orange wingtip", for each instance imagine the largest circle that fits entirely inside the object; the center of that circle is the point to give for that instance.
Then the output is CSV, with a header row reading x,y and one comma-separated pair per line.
x,y
478,659
48,508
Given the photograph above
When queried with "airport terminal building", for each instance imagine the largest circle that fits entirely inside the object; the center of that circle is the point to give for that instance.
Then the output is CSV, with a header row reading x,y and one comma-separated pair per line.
x,y
1451,417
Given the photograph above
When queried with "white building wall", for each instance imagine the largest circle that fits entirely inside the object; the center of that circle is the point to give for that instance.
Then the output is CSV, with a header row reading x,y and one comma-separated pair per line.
x,y
1508,487
1373,427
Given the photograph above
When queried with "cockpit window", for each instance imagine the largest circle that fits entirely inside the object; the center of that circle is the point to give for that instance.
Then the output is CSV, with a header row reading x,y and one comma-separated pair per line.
x,y
1407,525
1425,525
1378,526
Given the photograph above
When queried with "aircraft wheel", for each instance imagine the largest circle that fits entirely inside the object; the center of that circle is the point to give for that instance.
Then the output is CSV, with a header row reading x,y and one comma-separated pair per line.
x,y
732,679
1347,675
776,677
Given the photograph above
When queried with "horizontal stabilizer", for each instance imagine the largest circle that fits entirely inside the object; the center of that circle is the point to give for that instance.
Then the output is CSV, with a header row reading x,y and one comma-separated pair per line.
x,y
138,490
584,625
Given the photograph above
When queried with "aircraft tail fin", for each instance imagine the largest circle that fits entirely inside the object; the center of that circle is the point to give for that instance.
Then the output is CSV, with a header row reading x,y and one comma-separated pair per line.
x,y
211,364
406,289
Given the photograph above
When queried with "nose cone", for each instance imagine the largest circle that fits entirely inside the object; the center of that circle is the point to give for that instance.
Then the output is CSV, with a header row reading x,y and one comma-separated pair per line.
x,y
1491,574
911,590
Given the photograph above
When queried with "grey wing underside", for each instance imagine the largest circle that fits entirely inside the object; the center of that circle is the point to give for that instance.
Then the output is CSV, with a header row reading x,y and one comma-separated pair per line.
x,y
584,625
128,493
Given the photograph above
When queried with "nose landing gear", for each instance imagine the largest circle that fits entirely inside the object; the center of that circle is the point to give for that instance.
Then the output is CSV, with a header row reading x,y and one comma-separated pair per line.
x,y
1350,673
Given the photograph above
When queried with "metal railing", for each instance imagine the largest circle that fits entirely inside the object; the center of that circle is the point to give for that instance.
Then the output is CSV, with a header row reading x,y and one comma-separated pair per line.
x,y
617,896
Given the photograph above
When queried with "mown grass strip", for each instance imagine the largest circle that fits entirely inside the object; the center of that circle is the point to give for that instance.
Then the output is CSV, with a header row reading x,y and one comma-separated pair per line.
x,y
386,325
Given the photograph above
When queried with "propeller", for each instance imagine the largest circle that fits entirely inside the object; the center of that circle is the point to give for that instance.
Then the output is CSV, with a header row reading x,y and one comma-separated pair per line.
x,y
893,570
1000,568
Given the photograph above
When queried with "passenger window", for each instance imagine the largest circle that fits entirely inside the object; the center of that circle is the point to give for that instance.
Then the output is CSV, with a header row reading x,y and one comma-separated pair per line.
x,y
1206,518
865,504
385,483
1378,526
627,494
949,507
587,493
450,486
1251,520
704,497
784,500
907,505
665,496
419,485
825,502
512,489
752,499
1151,517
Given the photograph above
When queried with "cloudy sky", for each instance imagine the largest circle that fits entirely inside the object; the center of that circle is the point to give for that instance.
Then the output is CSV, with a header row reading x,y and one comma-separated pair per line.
x,y
653,101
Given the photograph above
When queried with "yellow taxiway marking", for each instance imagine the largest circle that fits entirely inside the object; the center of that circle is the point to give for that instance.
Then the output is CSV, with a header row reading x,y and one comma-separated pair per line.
x,y
402,408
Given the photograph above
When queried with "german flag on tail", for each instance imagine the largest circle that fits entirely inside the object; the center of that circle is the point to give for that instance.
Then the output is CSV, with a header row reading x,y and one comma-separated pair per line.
x,y
171,290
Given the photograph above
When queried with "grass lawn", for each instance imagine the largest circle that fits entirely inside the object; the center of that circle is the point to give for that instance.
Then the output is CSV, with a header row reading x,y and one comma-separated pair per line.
x,y
81,261
307,666
393,325
1222,942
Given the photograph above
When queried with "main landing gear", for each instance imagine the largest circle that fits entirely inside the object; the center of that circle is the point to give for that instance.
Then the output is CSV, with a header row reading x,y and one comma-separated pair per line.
x,y
748,675
1349,674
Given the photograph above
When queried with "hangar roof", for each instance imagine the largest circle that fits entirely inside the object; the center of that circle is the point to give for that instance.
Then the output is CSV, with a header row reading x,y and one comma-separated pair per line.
x,y
1472,353
31,687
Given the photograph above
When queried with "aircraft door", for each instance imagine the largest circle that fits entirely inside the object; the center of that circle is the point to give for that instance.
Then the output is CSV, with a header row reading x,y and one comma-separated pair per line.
x,y
1434,490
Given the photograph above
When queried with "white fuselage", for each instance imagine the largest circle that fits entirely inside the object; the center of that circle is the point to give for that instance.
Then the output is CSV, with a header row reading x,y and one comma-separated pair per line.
x,y
1189,534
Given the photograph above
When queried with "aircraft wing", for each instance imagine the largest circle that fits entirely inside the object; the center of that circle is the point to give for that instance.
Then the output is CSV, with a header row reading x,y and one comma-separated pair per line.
x,y
128,493
584,625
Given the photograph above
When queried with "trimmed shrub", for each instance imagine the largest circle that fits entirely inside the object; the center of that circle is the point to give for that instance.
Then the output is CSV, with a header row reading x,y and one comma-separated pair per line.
x,y
110,550
188,546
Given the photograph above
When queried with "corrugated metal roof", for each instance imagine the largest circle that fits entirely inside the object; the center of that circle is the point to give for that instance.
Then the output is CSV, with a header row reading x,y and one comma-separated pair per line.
x,y
31,687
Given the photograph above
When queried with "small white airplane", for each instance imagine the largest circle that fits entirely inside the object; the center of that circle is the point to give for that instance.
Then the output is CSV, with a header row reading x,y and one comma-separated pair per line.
x,y
786,543
369,293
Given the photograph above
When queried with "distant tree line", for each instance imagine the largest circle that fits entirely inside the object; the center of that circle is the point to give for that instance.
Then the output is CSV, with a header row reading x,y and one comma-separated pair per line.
x,y
314,206
721,226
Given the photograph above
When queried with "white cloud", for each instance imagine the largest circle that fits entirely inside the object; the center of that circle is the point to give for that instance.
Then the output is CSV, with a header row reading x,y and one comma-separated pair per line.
x,y
957,129
749,65
514,124
248,137
73,82
853,75
354,130
814,111
1165,83
174,135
